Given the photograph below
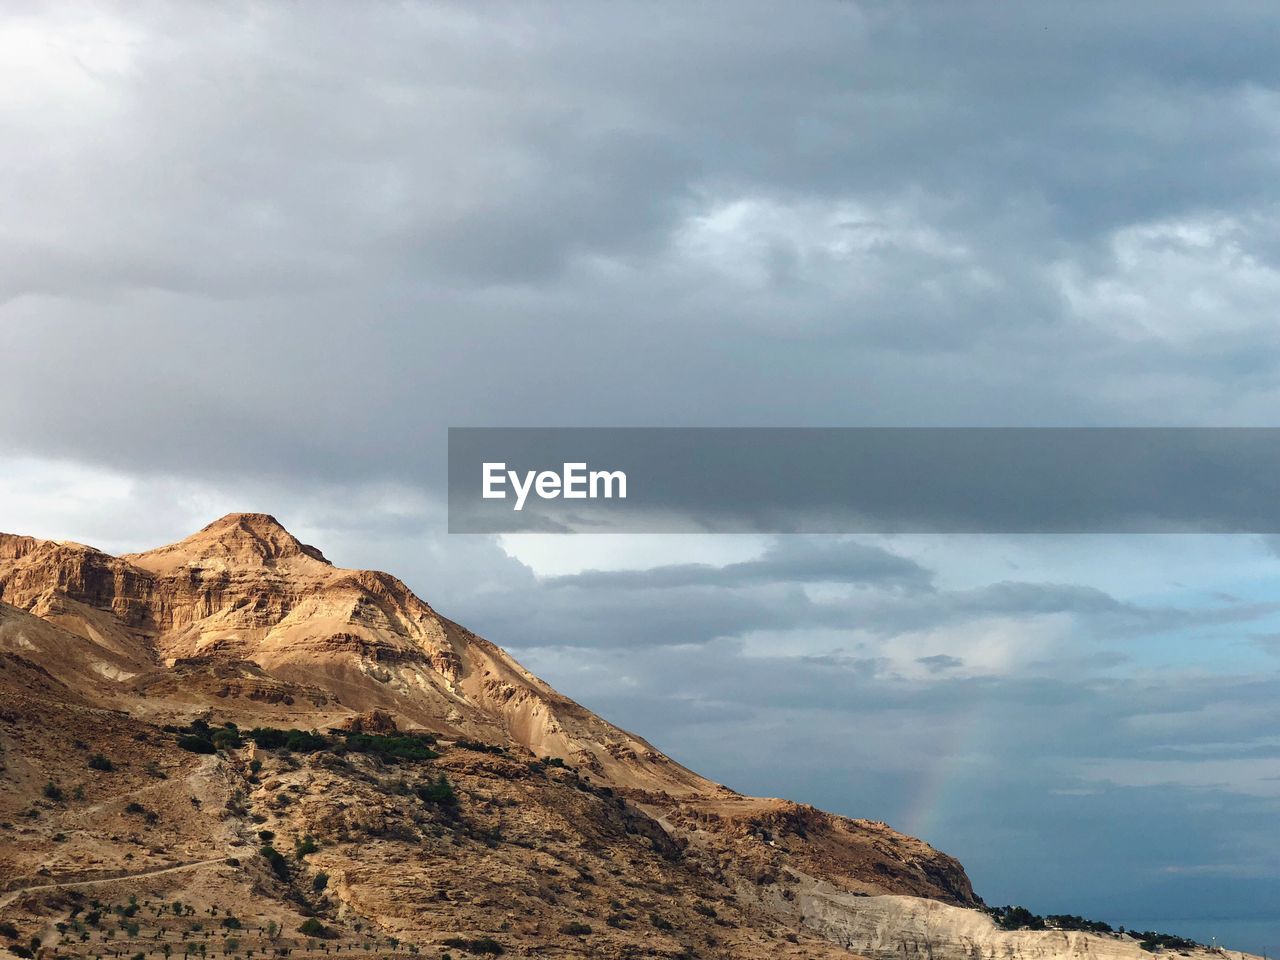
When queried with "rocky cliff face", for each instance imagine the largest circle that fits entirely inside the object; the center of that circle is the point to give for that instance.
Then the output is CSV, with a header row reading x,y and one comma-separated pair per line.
x,y
528,821
245,589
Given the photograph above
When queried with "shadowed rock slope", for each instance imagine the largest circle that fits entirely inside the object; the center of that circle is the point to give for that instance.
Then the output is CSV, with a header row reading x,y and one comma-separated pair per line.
x,y
446,799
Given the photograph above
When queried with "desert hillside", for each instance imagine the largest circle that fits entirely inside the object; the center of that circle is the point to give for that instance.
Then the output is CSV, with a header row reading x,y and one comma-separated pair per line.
x,y
231,746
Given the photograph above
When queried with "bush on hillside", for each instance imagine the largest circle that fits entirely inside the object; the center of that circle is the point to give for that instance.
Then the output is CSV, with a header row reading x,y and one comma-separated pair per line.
x,y
438,792
411,747
277,862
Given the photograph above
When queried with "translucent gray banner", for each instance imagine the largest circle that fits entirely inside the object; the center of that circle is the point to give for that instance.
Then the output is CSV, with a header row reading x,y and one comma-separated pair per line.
x,y
864,480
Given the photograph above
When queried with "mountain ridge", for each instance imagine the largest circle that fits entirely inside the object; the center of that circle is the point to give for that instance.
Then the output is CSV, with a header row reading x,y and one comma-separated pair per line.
x,y
241,625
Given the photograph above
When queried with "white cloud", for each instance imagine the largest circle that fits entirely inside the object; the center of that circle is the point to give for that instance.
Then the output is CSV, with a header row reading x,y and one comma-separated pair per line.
x,y
1180,280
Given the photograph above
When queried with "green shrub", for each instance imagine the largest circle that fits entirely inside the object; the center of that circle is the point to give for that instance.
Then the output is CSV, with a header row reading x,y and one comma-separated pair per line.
x,y
227,740
99,762
575,929
479,945
438,792
1069,921
412,747
268,738
1016,918
196,744
1152,941
8,929
53,792
477,747
300,741
312,927
661,922
304,846
320,882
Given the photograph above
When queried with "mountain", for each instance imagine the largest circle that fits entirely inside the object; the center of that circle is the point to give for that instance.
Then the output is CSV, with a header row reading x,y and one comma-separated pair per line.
x,y
311,759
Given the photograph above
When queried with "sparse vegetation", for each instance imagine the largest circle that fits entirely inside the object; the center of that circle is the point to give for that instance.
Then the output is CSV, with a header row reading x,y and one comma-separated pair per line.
x,y
100,762
53,792
1067,921
196,744
312,927
1016,918
1020,918
304,846
277,862
576,928
297,741
477,747
1152,941
410,747
227,739
438,792
480,945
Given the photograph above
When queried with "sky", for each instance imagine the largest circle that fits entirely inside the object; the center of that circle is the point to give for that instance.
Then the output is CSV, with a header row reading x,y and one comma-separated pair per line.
x,y
260,256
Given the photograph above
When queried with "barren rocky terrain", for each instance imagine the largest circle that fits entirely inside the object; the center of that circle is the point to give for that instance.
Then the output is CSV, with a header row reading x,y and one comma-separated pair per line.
x,y
231,747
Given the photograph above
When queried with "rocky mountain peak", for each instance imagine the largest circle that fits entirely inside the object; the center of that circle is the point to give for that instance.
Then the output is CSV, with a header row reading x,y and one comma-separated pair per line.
x,y
238,539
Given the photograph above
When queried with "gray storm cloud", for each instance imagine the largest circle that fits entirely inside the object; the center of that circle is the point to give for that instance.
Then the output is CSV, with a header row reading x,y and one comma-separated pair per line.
x,y
261,256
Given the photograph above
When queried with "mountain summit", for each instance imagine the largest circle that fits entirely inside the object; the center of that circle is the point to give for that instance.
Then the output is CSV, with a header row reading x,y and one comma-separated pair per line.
x,y
172,720
238,539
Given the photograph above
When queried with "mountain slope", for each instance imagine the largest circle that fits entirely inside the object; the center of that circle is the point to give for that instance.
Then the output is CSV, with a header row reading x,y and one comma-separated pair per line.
x,y
511,818
244,589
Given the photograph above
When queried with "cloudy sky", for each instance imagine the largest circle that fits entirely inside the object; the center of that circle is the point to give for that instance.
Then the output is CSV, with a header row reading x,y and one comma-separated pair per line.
x,y
260,256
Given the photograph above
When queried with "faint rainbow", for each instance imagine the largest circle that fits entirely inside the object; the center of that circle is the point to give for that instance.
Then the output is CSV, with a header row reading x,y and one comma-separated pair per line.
x,y
963,741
